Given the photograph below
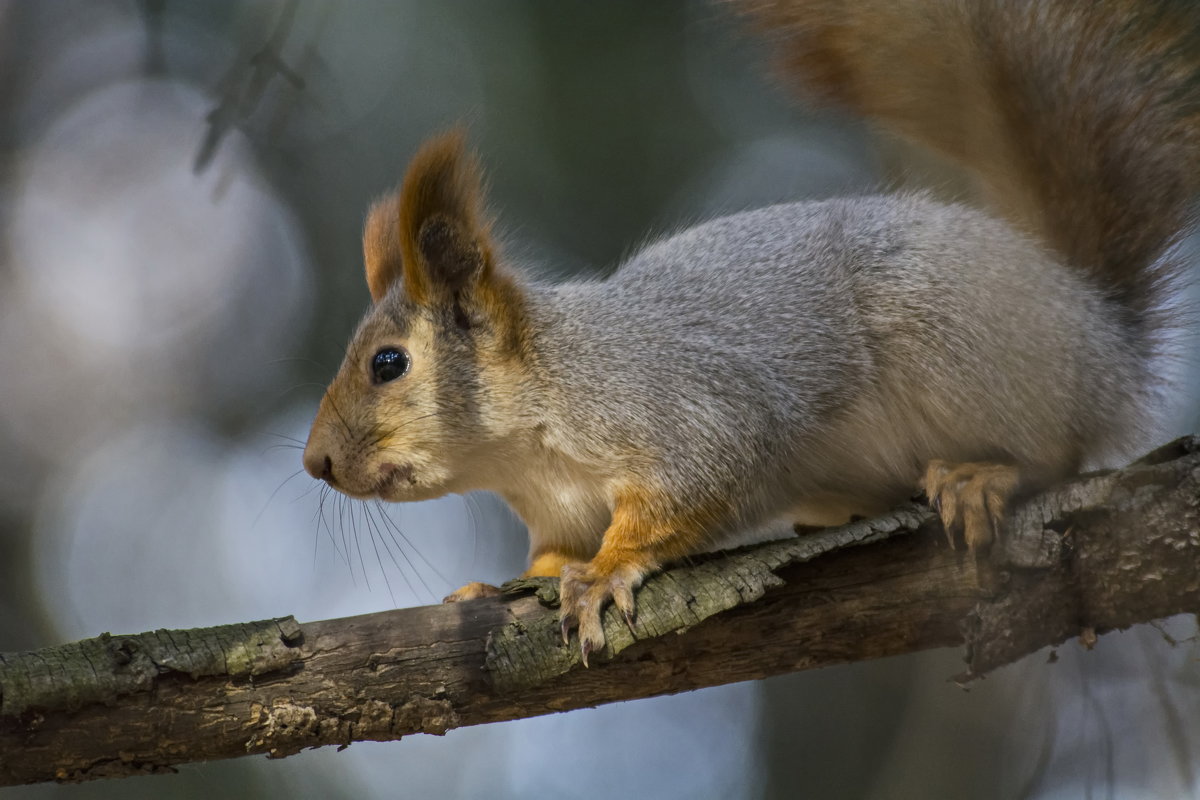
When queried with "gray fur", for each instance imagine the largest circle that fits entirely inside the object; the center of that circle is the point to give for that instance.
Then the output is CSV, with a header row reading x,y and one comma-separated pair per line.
x,y
807,361
830,350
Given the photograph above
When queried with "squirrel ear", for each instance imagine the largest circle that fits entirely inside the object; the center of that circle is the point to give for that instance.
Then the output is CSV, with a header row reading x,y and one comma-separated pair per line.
x,y
432,234
381,246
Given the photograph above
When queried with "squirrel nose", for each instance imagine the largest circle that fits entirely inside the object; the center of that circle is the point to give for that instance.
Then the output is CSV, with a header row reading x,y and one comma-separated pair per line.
x,y
319,465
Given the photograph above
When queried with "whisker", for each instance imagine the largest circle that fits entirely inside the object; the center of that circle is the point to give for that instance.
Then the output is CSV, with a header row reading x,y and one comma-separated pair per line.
x,y
350,529
304,385
373,530
287,438
361,561
316,544
317,535
388,432
339,507
328,530
337,411
316,484
411,589
469,502
394,531
263,510
366,511
280,446
391,554
427,441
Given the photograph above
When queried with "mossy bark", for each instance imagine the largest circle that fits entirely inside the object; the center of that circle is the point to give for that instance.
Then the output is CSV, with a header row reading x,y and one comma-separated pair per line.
x,y
1101,553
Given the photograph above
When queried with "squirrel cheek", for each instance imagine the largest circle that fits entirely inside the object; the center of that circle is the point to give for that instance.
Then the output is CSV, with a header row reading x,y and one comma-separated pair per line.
x,y
395,476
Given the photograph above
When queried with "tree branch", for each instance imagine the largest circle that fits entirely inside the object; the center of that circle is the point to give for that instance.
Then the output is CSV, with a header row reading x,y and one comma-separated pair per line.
x,y
1101,553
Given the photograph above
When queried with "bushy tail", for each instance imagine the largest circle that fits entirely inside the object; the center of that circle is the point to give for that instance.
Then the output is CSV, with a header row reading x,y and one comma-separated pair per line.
x,y
1081,116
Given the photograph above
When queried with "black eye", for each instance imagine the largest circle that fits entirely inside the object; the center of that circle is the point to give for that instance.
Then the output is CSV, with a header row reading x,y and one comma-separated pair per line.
x,y
389,363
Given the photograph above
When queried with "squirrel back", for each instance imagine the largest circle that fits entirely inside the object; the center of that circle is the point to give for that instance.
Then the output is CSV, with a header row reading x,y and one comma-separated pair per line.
x,y
1082,120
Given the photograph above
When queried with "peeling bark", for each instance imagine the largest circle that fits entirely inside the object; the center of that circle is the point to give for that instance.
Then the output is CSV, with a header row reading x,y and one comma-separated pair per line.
x,y
1101,553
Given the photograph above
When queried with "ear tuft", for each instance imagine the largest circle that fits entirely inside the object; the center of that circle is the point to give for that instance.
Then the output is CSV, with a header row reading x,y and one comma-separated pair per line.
x,y
444,239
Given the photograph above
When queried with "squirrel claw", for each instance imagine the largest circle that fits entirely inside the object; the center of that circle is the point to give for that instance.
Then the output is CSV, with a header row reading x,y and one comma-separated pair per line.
x,y
584,594
585,647
623,600
971,499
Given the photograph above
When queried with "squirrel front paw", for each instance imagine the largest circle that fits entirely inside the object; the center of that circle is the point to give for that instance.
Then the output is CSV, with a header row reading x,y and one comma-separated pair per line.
x,y
587,589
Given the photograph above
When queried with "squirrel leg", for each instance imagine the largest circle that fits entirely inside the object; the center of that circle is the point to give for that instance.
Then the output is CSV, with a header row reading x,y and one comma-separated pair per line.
x,y
641,536
971,499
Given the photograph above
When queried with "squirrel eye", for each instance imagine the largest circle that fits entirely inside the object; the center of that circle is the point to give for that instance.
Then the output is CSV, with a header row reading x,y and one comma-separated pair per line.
x,y
390,363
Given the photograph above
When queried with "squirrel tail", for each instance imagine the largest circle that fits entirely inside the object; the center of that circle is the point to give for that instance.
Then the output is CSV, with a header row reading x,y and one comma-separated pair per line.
x,y
1082,118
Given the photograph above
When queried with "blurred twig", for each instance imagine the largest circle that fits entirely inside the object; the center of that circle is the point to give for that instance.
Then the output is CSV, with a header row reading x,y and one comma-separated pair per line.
x,y
246,83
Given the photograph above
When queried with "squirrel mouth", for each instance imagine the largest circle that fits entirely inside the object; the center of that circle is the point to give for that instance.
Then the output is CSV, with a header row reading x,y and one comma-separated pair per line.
x,y
394,477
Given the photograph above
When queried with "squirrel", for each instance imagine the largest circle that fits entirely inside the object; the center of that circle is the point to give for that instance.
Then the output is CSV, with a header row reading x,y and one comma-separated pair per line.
x,y
806,362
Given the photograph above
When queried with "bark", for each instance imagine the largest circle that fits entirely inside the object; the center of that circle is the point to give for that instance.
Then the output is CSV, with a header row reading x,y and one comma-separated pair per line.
x,y
1101,553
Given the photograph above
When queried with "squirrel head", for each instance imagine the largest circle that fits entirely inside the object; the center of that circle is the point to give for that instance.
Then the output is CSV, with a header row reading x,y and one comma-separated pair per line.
x,y
431,382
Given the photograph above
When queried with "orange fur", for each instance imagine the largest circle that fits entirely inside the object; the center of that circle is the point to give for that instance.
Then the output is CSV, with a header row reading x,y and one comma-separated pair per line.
x,y
472,591
548,564
648,528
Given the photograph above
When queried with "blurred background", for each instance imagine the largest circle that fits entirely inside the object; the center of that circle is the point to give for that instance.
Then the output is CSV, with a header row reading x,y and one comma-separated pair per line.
x,y
182,187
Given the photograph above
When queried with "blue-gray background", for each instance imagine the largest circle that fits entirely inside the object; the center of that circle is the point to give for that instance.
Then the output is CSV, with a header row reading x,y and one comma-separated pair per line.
x,y
182,186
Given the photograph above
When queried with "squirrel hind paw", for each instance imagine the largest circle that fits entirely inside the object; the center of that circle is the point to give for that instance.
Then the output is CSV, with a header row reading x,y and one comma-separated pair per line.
x,y
971,499
472,591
